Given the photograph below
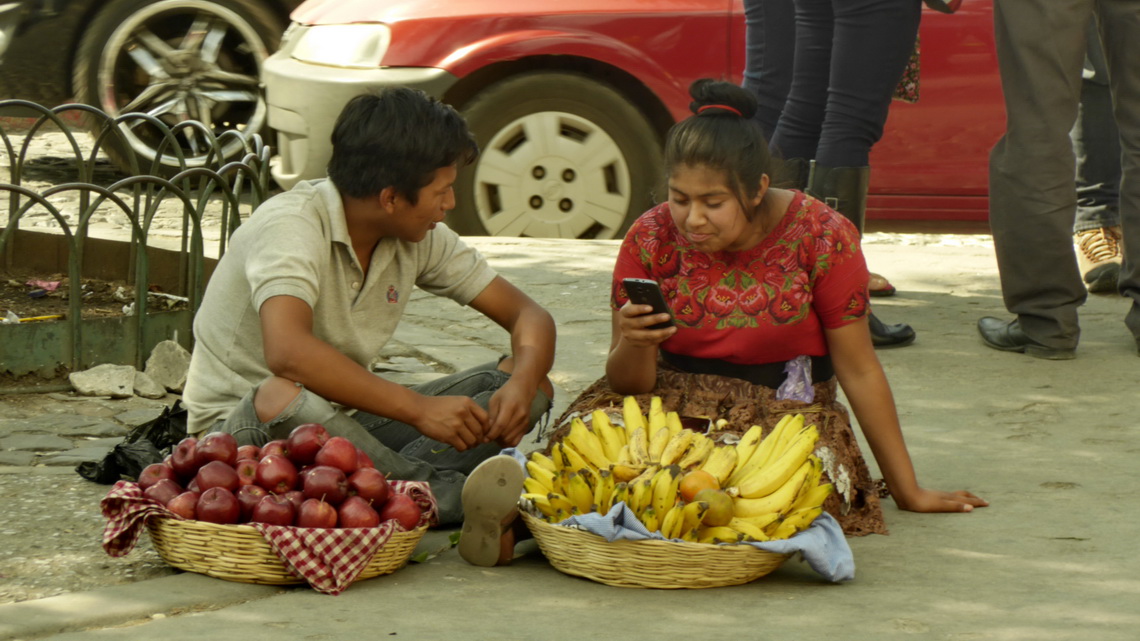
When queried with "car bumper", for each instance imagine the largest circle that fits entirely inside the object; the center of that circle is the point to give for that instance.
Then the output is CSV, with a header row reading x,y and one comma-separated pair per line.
x,y
304,102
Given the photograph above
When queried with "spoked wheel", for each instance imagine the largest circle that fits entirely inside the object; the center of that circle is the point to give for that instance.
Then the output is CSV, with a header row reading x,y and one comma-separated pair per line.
x,y
177,60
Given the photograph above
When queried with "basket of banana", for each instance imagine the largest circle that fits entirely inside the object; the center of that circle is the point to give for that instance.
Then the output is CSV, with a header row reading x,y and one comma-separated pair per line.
x,y
703,498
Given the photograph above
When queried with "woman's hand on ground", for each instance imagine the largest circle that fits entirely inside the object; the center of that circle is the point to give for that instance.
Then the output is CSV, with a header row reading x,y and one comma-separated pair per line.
x,y
924,500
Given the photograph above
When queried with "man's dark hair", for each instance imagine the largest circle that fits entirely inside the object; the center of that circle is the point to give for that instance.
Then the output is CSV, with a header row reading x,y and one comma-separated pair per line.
x,y
398,138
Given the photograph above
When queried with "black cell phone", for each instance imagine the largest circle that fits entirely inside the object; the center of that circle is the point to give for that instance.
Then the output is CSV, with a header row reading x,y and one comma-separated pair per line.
x,y
647,292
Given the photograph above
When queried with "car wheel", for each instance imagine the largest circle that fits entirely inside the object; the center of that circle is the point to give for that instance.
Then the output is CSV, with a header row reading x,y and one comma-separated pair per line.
x,y
176,60
562,156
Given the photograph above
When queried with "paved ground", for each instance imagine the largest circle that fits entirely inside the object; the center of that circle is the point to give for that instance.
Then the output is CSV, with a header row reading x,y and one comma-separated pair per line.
x,y
1052,445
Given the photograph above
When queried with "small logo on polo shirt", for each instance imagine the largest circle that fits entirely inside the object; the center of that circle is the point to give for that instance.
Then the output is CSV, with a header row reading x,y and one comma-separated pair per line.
x,y
393,295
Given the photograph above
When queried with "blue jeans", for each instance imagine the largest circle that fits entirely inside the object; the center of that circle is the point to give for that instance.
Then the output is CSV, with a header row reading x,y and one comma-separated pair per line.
x,y
831,103
397,449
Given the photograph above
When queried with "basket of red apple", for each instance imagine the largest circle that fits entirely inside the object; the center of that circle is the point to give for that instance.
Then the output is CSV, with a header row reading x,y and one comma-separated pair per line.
x,y
310,508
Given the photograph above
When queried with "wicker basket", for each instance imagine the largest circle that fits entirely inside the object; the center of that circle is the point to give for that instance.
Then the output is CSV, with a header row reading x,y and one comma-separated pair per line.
x,y
649,563
240,553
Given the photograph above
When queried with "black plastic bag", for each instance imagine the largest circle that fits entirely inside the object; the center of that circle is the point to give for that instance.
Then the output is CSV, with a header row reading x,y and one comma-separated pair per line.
x,y
146,444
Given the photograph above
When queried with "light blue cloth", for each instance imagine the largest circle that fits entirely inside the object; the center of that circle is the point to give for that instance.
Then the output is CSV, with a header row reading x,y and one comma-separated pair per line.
x,y
822,545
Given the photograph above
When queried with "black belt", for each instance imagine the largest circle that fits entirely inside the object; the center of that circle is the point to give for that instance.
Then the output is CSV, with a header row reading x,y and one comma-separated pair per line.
x,y
768,374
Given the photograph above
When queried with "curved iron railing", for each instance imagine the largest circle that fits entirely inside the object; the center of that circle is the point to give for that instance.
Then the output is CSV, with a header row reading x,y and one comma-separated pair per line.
x,y
230,189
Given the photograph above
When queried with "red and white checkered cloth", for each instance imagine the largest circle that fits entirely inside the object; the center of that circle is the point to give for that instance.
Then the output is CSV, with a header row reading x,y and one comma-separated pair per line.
x,y
328,559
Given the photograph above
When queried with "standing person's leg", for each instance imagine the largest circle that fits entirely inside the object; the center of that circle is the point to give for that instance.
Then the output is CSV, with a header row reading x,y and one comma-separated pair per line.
x,y
1041,50
1096,144
1120,34
797,131
872,43
770,42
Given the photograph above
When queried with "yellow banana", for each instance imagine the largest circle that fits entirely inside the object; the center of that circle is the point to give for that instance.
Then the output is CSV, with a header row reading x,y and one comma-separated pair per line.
x,y
639,447
691,535
612,438
649,518
631,414
620,494
796,522
580,494
541,502
625,472
761,521
676,447
587,443
671,522
767,478
720,463
665,485
717,534
572,459
719,425
561,502
763,451
640,495
532,485
656,416
791,428
541,474
543,461
692,514
747,445
623,455
813,497
604,491
700,450
658,439
748,530
811,481
673,422
778,501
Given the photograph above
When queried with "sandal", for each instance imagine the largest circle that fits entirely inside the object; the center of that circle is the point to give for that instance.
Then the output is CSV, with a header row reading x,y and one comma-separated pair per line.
x,y
878,286
490,509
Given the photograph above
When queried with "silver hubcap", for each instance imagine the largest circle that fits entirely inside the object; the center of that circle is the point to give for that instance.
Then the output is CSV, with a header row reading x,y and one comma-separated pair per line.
x,y
552,175
188,60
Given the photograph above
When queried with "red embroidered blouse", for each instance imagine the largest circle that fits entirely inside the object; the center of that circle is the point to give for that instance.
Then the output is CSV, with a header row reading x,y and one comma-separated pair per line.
x,y
764,305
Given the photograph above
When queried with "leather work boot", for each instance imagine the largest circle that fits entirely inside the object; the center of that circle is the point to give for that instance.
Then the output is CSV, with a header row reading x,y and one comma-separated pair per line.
x,y
1098,255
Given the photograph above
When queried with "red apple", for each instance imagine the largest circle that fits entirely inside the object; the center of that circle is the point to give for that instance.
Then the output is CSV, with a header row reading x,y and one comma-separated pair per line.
x,y
154,473
276,474
274,510
184,458
316,513
370,484
217,446
305,441
249,496
217,474
402,508
363,460
280,447
251,452
295,496
327,483
163,490
338,452
185,505
246,470
218,505
356,512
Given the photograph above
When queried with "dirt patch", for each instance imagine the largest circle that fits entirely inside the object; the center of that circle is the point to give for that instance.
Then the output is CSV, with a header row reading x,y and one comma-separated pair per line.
x,y
31,296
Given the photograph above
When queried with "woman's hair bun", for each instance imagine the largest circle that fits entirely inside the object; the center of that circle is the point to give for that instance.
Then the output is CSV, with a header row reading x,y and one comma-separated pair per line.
x,y
710,97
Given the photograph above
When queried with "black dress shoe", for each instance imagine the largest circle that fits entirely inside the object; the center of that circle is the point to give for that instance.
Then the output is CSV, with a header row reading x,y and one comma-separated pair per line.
x,y
1008,337
883,335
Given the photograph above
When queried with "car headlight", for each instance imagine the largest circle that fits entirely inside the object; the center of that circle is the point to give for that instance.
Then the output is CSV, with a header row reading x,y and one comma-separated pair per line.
x,y
343,45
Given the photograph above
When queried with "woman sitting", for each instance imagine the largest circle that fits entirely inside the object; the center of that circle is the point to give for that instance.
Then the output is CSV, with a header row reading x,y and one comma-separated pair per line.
x,y
755,277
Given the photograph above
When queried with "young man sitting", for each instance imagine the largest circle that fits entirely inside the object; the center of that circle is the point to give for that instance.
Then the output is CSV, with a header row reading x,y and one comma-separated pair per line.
x,y
314,283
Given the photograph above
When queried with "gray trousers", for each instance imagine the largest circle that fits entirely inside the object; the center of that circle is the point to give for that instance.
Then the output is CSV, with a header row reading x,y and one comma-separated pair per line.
x,y
1041,46
397,449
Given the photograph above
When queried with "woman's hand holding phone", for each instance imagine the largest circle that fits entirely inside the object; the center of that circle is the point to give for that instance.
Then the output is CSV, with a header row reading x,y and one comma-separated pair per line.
x,y
646,320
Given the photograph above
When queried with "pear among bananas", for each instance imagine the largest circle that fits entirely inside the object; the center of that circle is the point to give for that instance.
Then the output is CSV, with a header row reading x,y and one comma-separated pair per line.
x,y
682,483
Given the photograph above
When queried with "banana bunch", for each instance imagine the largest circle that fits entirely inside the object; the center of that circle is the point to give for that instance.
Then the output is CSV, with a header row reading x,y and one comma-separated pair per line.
x,y
772,484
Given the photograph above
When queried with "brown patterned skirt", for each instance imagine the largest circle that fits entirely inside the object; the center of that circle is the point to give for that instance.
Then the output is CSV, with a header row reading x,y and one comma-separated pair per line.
x,y
855,504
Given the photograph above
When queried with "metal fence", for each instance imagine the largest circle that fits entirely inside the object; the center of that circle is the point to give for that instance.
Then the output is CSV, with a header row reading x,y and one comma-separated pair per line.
x,y
227,189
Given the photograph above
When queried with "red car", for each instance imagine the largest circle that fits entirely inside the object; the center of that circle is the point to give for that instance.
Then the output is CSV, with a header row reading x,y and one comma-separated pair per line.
x,y
570,102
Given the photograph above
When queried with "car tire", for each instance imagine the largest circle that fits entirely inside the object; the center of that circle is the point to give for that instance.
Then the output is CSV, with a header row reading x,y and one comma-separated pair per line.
x,y
562,156
177,60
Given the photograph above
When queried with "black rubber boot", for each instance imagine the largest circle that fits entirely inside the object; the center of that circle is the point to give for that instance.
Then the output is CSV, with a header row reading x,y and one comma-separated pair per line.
x,y
791,173
844,189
